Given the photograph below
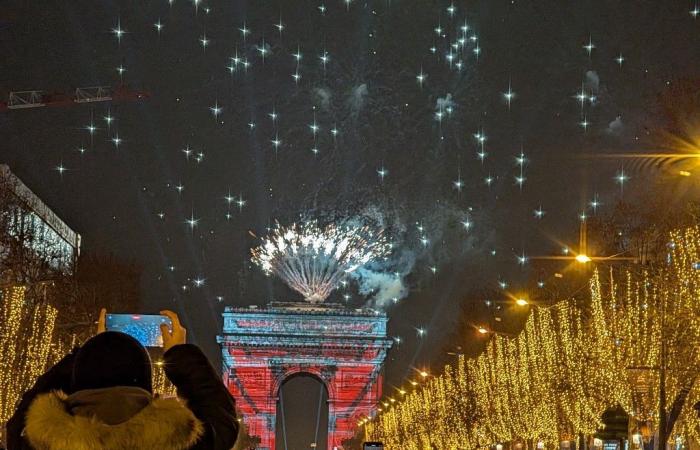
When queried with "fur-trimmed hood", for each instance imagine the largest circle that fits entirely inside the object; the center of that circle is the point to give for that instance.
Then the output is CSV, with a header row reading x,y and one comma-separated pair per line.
x,y
164,423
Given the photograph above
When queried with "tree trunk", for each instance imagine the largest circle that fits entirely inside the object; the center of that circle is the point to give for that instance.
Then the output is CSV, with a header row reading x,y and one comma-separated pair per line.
x,y
677,405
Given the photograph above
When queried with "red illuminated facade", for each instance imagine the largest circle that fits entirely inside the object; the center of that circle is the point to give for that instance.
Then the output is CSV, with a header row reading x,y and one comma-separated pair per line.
x,y
345,349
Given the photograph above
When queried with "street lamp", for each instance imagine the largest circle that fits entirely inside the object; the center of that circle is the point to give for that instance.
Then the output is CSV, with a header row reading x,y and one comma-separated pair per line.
x,y
482,330
583,258
521,302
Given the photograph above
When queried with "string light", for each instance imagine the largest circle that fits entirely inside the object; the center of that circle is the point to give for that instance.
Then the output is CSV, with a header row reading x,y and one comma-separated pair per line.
x,y
568,365
25,345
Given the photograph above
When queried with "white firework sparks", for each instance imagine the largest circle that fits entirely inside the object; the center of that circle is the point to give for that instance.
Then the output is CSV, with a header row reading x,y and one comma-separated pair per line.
x,y
313,260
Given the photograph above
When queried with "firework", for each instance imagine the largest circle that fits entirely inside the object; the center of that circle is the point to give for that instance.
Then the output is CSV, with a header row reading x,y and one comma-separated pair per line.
x,y
313,260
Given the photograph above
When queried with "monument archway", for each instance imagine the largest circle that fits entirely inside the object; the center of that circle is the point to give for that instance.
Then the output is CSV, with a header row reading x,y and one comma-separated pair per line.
x,y
302,413
345,349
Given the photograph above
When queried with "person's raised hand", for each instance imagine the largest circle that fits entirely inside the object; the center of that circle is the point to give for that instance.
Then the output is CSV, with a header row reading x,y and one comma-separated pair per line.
x,y
101,321
175,336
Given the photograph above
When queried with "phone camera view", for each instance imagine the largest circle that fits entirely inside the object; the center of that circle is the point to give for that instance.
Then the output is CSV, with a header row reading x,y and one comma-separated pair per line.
x,y
144,328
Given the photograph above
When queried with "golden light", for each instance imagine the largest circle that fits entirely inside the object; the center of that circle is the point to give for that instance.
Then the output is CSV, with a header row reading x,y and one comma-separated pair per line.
x,y
583,259
684,173
529,365
521,302
423,373
402,392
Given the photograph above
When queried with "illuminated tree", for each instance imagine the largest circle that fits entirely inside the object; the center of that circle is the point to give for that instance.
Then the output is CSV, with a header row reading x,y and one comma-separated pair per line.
x,y
652,321
25,345
634,344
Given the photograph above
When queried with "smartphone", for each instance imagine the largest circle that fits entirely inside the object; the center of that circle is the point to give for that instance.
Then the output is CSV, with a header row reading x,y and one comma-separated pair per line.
x,y
145,328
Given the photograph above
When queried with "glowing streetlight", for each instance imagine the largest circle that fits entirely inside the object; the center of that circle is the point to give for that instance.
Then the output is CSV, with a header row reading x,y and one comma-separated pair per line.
x,y
521,302
482,330
583,259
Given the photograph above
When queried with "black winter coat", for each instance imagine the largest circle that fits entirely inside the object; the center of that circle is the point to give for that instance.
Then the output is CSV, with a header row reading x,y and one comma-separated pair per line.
x,y
206,420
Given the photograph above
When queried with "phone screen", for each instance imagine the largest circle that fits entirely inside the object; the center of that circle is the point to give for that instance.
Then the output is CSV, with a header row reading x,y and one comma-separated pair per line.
x,y
145,328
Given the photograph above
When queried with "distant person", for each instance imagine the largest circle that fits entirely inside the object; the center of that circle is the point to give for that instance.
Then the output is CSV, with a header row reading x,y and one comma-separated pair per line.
x,y
99,397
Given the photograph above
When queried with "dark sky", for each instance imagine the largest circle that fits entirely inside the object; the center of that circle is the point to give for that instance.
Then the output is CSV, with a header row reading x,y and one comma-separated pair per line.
x,y
124,199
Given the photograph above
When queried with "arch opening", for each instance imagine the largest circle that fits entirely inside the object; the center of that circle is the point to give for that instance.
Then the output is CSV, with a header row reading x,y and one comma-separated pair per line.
x,y
302,413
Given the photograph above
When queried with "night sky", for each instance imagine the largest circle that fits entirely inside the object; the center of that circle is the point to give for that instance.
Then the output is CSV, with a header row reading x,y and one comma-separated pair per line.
x,y
472,130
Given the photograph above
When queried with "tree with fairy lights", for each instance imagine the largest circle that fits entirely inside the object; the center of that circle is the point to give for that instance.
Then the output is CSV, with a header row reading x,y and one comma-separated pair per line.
x,y
634,344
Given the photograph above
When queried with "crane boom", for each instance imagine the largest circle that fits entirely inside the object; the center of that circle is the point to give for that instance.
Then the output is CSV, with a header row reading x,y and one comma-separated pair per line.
x,y
93,94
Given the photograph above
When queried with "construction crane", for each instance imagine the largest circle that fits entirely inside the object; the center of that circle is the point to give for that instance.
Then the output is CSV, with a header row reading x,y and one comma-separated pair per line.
x,y
38,99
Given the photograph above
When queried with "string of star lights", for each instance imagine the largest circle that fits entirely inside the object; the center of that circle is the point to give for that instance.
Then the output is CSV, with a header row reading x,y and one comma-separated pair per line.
x,y
571,362
313,260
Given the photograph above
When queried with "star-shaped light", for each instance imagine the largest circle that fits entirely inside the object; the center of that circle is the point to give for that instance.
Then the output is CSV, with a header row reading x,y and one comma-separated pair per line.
x,y
509,95
322,9
382,172
118,31
121,69
280,26
324,59
158,26
590,46
595,203
421,77
458,184
108,118
488,180
116,140
179,188
263,49
451,10
91,128
203,41
60,168
314,127
420,331
581,96
694,12
276,142
522,259
539,212
187,151
620,59
240,202
584,124
216,110
467,224
192,222
621,178
244,31
199,281
273,115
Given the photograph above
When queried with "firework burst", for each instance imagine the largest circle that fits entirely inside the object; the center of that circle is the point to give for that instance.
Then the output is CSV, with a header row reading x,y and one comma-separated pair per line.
x,y
313,260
